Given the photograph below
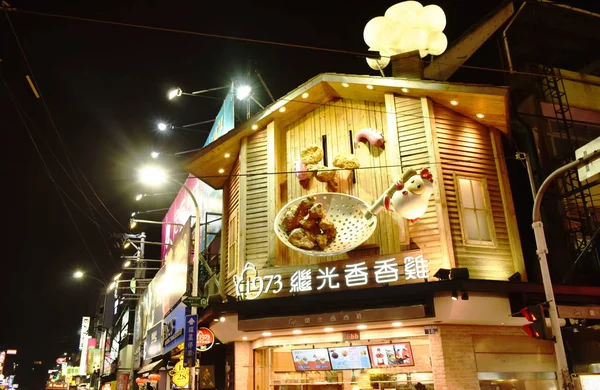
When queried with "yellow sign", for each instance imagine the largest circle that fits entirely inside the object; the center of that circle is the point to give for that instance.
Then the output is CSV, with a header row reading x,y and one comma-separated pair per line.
x,y
180,375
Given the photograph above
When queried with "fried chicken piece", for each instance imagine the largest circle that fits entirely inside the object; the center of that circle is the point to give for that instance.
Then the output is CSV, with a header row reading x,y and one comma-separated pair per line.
x,y
308,222
325,175
304,206
346,161
316,211
322,241
302,239
311,155
290,219
326,224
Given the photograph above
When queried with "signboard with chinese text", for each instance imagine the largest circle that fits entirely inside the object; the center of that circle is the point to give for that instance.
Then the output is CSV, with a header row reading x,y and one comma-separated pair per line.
x,y
173,283
253,283
189,343
173,325
331,319
153,346
122,380
349,358
83,333
205,339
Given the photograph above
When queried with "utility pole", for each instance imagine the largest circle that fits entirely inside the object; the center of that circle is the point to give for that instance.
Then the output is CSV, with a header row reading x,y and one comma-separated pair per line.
x,y
564,377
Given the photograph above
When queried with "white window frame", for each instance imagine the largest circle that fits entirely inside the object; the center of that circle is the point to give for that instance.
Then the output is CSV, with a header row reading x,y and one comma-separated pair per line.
x,y
488,209
233,243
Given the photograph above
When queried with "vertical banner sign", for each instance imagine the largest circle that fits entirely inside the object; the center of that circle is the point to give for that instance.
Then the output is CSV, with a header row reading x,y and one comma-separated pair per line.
x,y
85,327
189,344
225,120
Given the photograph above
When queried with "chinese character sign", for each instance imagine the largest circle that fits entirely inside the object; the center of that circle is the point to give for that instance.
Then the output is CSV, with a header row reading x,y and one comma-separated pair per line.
x,y
250,285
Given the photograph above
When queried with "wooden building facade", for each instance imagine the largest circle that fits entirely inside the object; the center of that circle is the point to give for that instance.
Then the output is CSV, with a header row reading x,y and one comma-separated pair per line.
x,y
453,130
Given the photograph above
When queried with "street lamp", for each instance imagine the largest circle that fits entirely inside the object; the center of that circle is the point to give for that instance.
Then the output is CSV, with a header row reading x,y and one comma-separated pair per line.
x,y
162,126
176,92
564,378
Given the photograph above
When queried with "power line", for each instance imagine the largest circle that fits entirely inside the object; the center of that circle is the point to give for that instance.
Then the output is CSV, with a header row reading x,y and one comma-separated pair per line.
x,y
20,106
262,41
61,142
47,170
178,31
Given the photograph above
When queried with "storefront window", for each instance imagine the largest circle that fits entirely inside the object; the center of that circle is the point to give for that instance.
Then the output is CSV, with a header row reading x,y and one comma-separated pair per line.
x,y
341,366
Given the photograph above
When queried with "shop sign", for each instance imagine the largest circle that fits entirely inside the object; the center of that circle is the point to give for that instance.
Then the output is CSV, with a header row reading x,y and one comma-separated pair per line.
x,y
180,376
205,339
173,325
332,319
61,360
122,380
11,351
85,326
189,343
329,277
153,346
350,335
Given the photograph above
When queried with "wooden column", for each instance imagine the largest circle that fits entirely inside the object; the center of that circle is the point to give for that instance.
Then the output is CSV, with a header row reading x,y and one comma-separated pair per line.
x,y
439,192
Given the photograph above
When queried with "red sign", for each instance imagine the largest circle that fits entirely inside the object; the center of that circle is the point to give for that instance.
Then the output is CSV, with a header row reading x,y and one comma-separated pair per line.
x,y
61,360
205,339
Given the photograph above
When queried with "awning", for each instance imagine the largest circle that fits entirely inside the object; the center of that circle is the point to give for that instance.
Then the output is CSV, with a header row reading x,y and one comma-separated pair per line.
x,y
152,366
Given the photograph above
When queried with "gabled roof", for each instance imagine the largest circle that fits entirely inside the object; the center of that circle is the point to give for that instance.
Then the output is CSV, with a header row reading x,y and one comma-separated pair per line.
x,y
472,99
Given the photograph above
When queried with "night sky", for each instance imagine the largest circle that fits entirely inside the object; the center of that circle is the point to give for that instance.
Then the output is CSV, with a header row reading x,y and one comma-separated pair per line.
x,y
105,88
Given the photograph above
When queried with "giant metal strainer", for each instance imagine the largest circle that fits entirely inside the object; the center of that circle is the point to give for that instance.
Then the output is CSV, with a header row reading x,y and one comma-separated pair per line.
x,y
347,212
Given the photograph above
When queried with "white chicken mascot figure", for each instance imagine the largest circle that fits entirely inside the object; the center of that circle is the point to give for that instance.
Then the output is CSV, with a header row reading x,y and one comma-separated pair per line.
x,y
411,195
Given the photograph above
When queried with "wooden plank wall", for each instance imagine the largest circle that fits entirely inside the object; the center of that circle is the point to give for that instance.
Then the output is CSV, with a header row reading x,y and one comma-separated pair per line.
x,y
257,240
233,207
465,148
378,171
414,153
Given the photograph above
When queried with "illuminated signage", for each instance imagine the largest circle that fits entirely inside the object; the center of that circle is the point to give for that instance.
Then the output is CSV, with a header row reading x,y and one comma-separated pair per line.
x,y
205,339
180,375
83,338
250,285
11,351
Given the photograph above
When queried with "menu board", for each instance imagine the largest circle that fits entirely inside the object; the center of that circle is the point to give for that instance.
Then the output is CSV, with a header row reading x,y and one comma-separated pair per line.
x,y
391,355
311,359
349,358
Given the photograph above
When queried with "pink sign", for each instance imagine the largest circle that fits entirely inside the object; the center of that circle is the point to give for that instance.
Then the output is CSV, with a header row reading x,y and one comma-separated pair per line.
x,y
209,201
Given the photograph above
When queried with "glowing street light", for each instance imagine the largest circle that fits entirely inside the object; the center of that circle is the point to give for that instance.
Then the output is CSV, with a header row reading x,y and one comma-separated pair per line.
x,y
162,126
78,274
152,175
154,154
139,197
175,92
243,92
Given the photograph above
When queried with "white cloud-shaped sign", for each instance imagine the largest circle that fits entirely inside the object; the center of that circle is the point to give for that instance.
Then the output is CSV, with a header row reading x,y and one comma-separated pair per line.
x,y
406,26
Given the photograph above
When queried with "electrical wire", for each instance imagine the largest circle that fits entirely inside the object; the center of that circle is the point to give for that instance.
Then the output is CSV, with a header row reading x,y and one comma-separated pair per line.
x,y
47,170
61,142
20,106
267,42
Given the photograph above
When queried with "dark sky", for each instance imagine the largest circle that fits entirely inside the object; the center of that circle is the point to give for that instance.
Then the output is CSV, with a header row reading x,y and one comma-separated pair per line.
x,y
105,87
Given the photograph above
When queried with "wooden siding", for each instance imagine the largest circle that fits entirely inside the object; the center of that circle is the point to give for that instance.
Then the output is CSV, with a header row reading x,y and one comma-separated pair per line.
x,y
257,223
378,170
465,149
233,208
414,140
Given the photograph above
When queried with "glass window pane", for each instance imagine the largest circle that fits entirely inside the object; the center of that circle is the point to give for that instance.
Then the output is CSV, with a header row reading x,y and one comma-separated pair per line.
x,y
466,193
471,227
478,194
484,228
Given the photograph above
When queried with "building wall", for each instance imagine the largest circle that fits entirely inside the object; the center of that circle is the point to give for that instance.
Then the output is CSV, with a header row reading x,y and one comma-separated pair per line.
x,y
465,148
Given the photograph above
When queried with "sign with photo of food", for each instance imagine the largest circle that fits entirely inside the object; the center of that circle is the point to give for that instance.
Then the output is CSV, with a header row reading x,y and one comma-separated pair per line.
x,y
349,358
311,359
391,355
